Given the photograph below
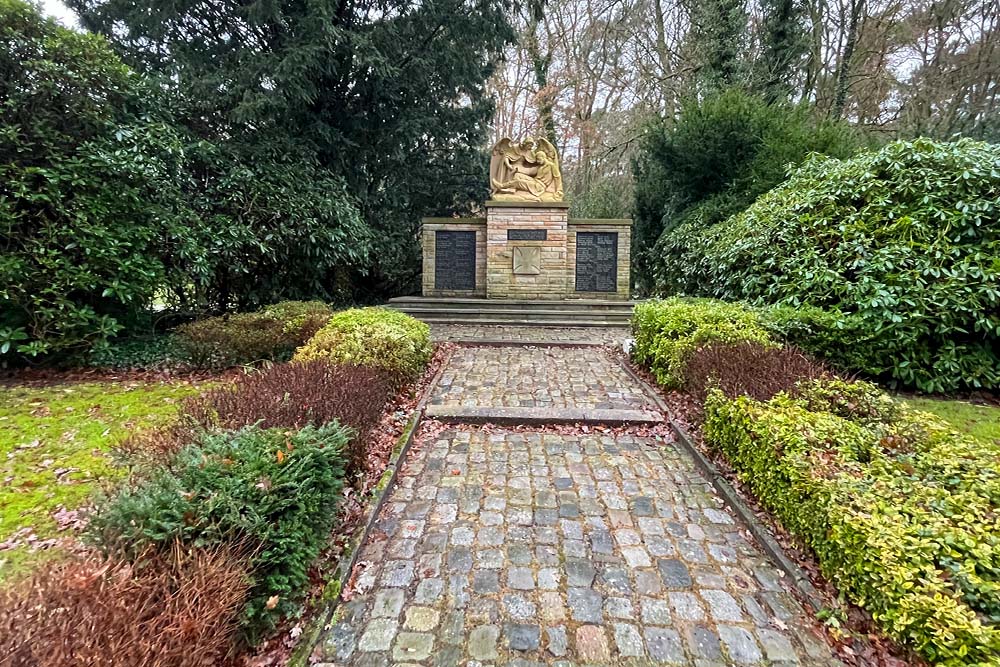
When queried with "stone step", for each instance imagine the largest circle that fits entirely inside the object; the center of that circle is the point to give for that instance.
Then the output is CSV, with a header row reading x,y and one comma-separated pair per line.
x,y
538,312
508,313
527,322
541,416
573,305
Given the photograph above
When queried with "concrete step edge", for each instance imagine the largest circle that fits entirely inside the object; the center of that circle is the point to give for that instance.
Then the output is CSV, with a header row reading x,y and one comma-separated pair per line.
x,y
481,415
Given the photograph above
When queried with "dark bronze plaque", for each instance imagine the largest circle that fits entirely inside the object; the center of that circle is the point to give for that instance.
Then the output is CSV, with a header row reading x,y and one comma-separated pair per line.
x,y
597,261
527,234
455,260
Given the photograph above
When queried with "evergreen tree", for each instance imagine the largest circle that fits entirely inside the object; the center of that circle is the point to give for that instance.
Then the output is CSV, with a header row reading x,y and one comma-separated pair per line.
x,y
784,45
388,97
717,35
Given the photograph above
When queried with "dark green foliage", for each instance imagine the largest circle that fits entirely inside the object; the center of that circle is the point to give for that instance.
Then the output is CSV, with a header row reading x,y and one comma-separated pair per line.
x,y
88,187
272,333
843,340
785,44
273,492
899,508
714,161
106,201
390,101
273,225
163,351
904,241
718,31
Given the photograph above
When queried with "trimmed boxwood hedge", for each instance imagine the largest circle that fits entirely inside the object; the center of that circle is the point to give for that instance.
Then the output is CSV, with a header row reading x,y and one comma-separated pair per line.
x,y
667,331
376,337
900,510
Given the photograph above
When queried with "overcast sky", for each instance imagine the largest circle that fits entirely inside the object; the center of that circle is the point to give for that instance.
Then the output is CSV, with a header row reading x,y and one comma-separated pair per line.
x,y
57,9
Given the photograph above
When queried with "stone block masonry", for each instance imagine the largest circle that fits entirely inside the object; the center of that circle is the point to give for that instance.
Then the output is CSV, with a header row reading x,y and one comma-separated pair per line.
x,y
428,242
529,251
550,281
562,548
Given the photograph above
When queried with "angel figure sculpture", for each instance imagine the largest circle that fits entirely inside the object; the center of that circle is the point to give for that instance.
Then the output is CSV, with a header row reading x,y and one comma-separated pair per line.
x,y
525,171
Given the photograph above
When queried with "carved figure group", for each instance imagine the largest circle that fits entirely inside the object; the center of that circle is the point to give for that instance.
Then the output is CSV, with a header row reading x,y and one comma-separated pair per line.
x,y
525,171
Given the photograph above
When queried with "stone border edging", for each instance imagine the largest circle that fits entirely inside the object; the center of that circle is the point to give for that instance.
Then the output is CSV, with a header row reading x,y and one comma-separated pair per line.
x,y
760,531
312,636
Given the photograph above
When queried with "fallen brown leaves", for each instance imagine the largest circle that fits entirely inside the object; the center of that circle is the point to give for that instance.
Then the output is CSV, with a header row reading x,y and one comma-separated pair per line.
x,y
47,377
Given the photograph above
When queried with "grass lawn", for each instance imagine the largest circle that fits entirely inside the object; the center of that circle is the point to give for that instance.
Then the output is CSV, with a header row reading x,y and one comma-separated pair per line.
x,y
54,452
982,421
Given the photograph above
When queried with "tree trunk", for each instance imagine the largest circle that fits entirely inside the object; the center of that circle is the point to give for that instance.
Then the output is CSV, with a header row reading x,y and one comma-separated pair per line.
x,y
843,68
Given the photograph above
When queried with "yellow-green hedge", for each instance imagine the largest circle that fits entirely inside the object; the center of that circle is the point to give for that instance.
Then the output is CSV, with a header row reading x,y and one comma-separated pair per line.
x,y
901,511
666,331
376,337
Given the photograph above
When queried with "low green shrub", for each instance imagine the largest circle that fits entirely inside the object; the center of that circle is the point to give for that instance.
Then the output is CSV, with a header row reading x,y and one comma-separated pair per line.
x,y
272,333
667,331
899,509
148,353
274,492
376,337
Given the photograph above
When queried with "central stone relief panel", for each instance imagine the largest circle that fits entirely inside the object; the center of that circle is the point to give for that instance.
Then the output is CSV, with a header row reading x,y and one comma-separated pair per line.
x,y
527,260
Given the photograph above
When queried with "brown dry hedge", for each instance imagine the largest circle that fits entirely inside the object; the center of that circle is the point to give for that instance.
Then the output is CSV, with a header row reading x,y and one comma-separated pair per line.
x,y
748,368
180,609
295,394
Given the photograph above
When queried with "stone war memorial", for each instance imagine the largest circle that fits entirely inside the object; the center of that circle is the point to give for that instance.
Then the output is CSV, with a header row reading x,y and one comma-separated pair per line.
x,y
527,247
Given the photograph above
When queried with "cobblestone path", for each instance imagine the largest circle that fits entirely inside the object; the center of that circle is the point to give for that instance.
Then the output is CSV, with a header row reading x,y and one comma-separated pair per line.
x,y
538,377
528,547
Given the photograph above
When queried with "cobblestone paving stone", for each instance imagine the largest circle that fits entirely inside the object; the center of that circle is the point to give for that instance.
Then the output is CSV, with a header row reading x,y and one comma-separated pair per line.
x,y
528,548
538,377
518,334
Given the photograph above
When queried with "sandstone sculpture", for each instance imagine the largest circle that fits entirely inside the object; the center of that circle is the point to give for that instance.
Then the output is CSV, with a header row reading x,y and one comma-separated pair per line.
x,y
525,171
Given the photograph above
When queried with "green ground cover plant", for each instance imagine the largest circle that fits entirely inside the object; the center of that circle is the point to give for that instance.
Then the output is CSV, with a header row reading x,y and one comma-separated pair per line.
x,y
55,448
667,331
900,245
899,508
272,492
376,337
295,394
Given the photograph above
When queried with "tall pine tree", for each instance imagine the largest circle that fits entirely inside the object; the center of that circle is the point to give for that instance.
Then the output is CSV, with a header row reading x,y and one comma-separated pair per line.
x,y
387,95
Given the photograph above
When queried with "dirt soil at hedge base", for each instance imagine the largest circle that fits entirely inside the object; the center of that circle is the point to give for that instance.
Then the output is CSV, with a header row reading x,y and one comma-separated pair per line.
x,y
851,630
277,649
